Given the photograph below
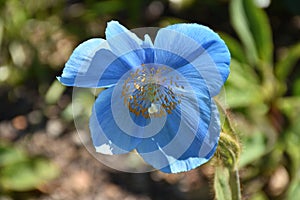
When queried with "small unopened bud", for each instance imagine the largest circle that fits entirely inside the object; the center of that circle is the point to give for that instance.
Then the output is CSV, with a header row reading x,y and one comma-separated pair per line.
x,y
229,150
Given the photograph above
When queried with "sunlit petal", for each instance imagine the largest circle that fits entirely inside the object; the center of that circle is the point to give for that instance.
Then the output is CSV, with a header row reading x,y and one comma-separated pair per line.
x,y
107,137
199,46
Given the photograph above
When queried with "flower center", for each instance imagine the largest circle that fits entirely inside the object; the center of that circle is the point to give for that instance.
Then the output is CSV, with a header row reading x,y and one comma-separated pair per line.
x,y
152,91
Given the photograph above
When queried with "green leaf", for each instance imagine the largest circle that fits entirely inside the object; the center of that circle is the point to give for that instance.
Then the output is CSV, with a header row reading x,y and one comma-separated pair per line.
x,y
240,23
27,175
82,102
54,92
259,196
10,155
285,65
242,87
254,147
290,106
235,48
296,87
104,8
1,31
260,29
292,149
294,190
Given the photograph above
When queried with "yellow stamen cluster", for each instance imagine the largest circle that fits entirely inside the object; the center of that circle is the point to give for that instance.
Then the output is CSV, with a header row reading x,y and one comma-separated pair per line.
x,y
149,92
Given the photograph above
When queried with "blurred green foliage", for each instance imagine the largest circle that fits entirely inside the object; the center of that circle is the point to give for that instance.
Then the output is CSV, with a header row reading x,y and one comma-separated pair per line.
x,y
21,172
257,92
262,93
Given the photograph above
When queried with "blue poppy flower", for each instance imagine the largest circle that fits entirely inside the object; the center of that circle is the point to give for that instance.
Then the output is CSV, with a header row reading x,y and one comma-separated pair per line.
x,y
159,96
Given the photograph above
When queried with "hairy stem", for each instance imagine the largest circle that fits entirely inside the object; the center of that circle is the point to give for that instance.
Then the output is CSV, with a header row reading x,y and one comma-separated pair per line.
x,y
235,187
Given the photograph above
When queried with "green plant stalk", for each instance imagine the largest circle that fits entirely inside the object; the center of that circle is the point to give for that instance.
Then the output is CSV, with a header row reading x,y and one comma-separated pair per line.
x,y
221,186
234,179
235,186
227,182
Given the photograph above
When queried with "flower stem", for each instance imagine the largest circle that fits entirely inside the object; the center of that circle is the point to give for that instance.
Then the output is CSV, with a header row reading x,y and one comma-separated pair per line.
x,y
234,182
228,153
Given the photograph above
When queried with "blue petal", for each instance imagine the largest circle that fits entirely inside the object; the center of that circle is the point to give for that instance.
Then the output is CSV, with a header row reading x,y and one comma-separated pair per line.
x,y
122,41
114,29
165,56
199,151
210,41
148,48
107,136
100,63
80,60
147,43
163,137
128,122
211,139
194,78
198,45
102,69
194,109
178,144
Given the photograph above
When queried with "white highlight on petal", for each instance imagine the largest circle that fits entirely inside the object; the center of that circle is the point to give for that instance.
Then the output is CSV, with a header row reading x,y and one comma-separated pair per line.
x,y
154,108
105,149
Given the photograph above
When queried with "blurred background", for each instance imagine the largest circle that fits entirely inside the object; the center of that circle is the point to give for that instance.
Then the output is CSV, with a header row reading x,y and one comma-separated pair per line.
x,y
41,155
